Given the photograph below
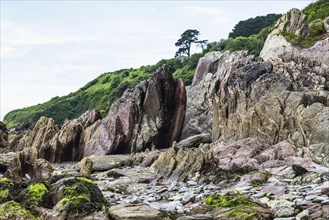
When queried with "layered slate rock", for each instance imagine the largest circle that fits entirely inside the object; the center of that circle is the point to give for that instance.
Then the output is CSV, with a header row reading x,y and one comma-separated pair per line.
x,y
284,99
211,70
150,115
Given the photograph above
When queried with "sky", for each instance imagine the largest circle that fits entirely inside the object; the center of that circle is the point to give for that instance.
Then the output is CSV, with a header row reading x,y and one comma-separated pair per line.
x,y
52,48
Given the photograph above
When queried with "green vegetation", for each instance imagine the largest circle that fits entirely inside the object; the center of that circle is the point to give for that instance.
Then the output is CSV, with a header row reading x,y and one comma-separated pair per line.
x,y
243,213
253,44
253,26
6,181
316,33
226,201
4,194
234,205
317,10
85,179
37,191
13,210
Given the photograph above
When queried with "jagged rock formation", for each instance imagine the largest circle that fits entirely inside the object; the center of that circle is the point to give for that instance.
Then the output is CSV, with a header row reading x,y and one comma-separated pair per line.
x,y
210,71
3,137
285,98
150,115
294,22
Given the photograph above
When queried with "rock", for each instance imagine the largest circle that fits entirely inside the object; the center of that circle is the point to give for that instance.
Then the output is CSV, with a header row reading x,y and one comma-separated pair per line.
x,y
294,22
13,210
149,160
302,215
89,117
196,217
194,141
254,101
107,162
299,170
76,198
319,212
65,145
3,135
134,211
278,151
149,115
239,156
5,160
274,189
86,167
282,208
26,162
44,130
183,164
209,73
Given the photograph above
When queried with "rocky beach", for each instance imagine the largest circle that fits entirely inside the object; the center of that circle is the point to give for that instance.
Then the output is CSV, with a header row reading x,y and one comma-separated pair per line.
x,y
249,139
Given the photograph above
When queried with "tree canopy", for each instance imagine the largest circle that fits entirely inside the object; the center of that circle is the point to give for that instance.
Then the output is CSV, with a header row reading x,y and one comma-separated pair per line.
x,y
252,26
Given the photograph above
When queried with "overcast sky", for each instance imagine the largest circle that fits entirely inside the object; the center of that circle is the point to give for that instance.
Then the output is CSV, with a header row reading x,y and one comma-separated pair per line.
x,y
52,48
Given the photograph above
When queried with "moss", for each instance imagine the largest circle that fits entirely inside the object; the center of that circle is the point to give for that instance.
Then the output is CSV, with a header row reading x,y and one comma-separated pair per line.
x,y
226,201
4,194
85,179
13,210
7,181
37,191
243,213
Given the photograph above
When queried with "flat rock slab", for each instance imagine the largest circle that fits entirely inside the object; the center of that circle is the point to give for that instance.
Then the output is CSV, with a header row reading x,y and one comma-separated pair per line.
x,y
134,212
195,141
107,162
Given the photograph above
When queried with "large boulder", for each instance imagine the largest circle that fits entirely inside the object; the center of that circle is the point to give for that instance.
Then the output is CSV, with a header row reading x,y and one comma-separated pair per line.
x,y
293,22
134,211
182,164
26,164
150,115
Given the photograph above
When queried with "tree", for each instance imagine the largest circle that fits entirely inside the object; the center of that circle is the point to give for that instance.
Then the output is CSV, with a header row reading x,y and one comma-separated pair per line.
x,y
252,26
185,41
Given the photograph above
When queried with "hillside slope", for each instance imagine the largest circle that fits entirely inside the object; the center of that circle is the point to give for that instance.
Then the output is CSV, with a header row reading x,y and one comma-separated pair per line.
x,y
97,94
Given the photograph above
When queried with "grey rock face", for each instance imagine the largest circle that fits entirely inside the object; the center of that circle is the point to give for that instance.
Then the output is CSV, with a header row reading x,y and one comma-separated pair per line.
x,y
211,70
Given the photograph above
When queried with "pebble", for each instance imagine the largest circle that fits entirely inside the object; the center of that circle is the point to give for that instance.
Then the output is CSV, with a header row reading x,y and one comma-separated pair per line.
x,y
325,202
258,195
182,189
302,214
192,183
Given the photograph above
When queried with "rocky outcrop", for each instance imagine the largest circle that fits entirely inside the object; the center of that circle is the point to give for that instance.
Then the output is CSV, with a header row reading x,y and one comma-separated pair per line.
x,y
27,165
3,136
212,68
150,115
65,145
295,23
284,99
